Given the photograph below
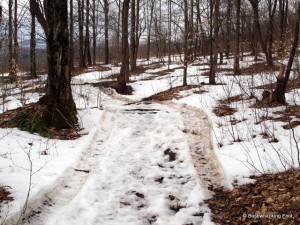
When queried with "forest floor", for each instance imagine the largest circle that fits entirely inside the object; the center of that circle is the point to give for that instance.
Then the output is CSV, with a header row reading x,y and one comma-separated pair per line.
x,y
163,154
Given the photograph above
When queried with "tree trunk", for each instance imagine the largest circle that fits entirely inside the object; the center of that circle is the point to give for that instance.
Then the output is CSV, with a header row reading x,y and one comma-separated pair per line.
x,y
87,49
267,50
82,63
11,59
214,32
60,107
137,30
186,42
94,33
33,47
149,29
278,94
71,36
1,26
283,12
132,36
124,71
228,28
16,43
236,69
106,42
169,31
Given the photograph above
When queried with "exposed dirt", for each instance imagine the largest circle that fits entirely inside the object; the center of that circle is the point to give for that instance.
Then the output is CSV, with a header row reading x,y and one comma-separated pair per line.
x,y
276,197
172,93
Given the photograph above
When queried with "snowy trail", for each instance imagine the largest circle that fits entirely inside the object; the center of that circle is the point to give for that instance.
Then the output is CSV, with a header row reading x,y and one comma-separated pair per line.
x,y
137,170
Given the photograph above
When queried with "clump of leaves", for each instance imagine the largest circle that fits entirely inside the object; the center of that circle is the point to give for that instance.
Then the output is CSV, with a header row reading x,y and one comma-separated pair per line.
x,y
31,123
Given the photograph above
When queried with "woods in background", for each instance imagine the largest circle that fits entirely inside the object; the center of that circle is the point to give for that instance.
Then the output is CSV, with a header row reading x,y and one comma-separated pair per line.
x,y
91,32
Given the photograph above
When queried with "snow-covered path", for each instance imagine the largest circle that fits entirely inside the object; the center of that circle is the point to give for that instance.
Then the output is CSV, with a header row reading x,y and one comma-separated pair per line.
x,y
137,170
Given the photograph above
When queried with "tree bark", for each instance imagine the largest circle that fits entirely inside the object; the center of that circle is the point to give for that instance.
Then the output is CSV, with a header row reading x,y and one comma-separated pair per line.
x,y
214,32
94,33
87,49
186,42
16,43
106,42
60,107
123,77
82,62
278,94
236,69
33,46
265,45
283,11
132,36
11,59
71,36
149,29
1,26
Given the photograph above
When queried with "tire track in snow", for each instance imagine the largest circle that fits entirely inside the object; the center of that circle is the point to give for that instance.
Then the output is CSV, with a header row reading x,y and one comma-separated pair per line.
x,y
198,130
74,179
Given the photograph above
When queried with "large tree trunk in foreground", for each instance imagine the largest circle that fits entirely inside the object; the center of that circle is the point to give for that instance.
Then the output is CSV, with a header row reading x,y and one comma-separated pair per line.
x,y
278,94
60,107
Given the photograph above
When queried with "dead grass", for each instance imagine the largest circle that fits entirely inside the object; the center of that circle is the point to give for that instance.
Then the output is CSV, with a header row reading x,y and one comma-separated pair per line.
x,y
271,194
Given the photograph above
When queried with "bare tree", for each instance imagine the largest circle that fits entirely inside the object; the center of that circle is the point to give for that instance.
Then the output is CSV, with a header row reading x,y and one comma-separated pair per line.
x,y
123,77
214,33
82,62
186,46
71,35
283,15
266,44
32,44
106,37
60,108
12,60
152,4
87,49
16,43
94,33
134,33
236,68
278,94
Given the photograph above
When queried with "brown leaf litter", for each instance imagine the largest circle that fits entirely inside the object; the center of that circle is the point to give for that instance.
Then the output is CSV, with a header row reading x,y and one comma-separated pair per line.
x,y
272,199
